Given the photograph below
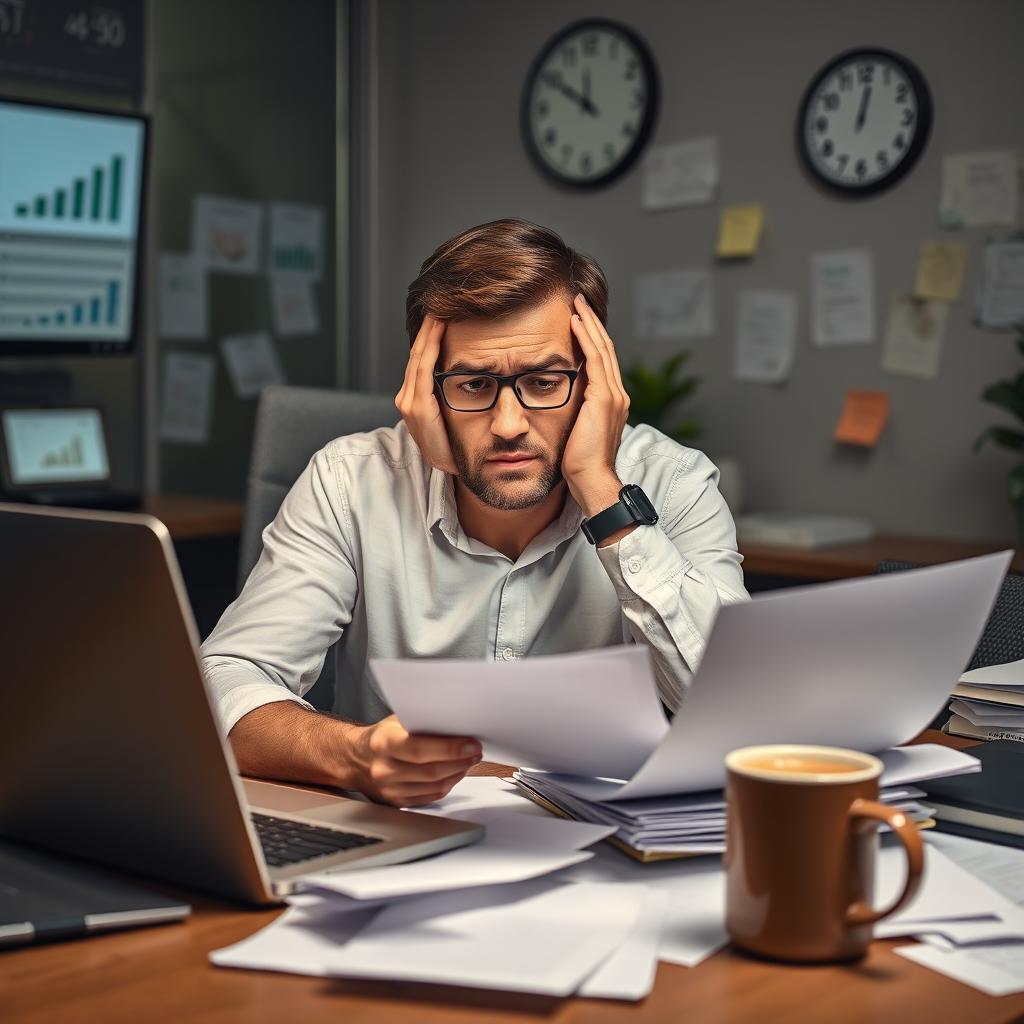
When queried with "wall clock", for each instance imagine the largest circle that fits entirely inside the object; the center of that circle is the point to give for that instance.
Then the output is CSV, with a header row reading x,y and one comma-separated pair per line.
x,y
864,120
589,103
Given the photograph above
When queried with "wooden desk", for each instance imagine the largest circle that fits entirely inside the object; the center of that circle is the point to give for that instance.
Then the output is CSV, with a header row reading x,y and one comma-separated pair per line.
x,y
163,975
190,518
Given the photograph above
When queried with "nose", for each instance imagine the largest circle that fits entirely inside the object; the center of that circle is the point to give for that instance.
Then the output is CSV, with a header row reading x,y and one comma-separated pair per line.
x,y
508,417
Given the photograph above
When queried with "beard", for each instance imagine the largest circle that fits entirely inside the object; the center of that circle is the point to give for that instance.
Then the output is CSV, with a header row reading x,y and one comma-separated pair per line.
x,y
517,489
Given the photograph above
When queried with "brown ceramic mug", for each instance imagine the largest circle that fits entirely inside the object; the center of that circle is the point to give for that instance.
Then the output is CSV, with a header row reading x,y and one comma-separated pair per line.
x,y
800,851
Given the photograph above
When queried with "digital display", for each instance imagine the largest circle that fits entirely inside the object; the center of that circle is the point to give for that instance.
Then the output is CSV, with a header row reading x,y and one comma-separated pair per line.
x,y
54,446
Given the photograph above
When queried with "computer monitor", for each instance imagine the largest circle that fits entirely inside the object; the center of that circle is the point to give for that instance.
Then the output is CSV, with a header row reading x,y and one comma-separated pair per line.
x,y
71,200
52,450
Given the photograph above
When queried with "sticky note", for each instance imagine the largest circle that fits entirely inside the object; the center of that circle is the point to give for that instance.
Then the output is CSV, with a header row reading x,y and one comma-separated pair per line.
x,y
739,230
864,415
940,271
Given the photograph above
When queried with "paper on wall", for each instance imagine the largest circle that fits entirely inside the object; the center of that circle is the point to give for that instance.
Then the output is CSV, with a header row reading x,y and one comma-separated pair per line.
x,y
842,297
914,337
183,309
296,240
252,363
980,189
226,234
739,230
863,417
187,397
674,304
294,306
765,335
940,271
1001,298
680,174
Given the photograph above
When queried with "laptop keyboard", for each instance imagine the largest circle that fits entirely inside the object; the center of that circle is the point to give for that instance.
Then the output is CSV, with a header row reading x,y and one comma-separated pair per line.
x,y
288,842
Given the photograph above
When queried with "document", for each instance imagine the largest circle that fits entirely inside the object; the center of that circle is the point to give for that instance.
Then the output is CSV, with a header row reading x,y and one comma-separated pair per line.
x,y
252,363
674,304
680,174
863,417
980,190
765,335
1000,867
997,970
187,397
227,234
914,337
296,241
739,230
842,297
940,271
294,306
1001,297
522,710
183,307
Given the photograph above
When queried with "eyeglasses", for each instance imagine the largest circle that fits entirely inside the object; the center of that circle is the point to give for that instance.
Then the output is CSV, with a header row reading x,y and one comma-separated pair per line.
x,y
478,392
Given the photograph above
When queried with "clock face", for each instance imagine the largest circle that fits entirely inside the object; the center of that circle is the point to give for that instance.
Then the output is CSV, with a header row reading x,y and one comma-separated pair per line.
x,y
864,121
589,103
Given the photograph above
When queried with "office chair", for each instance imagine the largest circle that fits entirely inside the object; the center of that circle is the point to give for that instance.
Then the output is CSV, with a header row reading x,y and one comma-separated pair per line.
x,y
292,424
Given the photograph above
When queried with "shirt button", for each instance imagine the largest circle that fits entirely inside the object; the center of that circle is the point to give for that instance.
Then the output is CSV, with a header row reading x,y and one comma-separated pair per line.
x,y
635,564
508,654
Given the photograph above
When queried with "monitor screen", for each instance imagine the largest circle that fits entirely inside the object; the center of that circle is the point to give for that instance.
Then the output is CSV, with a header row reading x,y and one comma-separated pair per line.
x,y
70,209
54,446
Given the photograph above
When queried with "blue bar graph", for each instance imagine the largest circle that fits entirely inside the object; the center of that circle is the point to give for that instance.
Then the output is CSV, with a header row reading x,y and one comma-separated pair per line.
x,y
112,302
94,310
78,314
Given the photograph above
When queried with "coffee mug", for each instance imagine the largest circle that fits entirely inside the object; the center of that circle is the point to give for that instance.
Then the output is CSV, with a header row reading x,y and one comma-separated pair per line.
x,y
800,851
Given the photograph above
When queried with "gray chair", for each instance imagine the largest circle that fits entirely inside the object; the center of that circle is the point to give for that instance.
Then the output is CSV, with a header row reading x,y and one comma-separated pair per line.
x,y
292,424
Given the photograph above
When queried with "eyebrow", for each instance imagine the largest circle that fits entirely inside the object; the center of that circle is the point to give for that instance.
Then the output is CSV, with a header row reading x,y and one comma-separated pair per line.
x,y
543,363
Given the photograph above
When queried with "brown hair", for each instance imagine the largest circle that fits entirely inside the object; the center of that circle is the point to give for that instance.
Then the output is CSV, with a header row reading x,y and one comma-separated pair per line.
x,y
498,268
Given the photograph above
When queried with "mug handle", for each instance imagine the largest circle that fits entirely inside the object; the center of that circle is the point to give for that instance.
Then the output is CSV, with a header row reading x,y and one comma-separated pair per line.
x,y
907,833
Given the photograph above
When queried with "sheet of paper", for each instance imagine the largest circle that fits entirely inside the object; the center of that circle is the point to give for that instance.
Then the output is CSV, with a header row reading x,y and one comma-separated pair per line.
x,y
1001,867
252,363
1011,717
997,970
914,337
674,304
842,297
980,189
765,335
187,397
183,307
296,241
1009,675
680,174
481,793
863,417
839,652
532,937
294,306
616,714
1001,299
940,271
739,230
226,234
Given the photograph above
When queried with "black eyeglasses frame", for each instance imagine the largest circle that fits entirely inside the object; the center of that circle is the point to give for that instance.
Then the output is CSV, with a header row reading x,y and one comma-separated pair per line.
x,y
511,380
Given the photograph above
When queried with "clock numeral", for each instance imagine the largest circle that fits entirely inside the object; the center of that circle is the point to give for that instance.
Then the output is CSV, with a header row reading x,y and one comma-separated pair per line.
x,y
566,151
860,168
821,124
902,92
865,73
569,56
638,99
908,117
609,152
585,163
886,74
899,142
831,100
590,41
883,160
843,161
549,137
845,80
542,109
827,148
629,129
552,78
632,66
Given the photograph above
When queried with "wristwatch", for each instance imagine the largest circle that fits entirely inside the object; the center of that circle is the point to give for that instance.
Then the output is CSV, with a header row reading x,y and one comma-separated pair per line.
x,y
632,507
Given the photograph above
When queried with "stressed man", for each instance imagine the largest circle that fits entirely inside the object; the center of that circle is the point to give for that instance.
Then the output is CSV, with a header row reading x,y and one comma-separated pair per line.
x,y
511,512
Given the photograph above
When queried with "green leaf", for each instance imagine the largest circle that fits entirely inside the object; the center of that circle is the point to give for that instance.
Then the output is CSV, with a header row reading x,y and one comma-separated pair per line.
x,y
1006,394
1016,485
685,431
1002,436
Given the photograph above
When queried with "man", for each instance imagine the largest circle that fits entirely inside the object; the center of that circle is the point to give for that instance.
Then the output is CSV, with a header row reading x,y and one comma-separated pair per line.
x,y
457,533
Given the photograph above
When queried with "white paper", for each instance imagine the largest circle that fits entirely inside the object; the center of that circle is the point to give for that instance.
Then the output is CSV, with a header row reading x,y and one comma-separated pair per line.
x,y
296,241
187,397
980,189
914,337
252,363
1001,302
294,306
765,335
183,307
1006,676
998,970
1006,715
674,304
519,709
680,174
226,234
1001,867
842,297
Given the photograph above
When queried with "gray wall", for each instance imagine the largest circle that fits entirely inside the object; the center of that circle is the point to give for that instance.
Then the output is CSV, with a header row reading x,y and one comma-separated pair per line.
x,y
450,74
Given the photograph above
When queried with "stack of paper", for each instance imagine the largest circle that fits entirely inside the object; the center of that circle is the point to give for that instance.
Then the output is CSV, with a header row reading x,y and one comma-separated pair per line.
x,y
988,703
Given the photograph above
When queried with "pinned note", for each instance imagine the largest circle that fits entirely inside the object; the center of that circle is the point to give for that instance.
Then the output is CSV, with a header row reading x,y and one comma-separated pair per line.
x,y
765,335
227,234
680,174
183,309
980,190
940,271
1001,295
863,417
187,404
252,363
842,297
739,230
913,340
674,304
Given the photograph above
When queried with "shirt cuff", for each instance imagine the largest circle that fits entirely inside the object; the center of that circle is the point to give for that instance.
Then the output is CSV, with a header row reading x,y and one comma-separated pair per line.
x,y
235,697
641,561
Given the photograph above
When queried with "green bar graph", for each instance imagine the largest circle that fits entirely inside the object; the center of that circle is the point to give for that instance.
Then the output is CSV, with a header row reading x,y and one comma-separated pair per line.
x,y
97,192
58,203
296,257
40,206
79,207
116,166
84,198
21,209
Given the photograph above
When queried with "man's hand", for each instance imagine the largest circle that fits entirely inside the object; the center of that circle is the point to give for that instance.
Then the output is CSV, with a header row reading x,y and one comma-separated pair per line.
x,y
588,463
416,400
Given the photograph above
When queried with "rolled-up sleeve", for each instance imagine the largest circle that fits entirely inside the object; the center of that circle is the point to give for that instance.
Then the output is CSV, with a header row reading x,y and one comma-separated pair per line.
x,y
271,642
672,578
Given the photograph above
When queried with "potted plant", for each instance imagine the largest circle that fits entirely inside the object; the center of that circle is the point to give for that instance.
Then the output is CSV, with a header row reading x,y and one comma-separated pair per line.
x,y
653,393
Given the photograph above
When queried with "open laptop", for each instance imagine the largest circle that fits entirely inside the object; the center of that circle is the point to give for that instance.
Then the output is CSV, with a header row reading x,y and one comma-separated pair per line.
x,y
110,748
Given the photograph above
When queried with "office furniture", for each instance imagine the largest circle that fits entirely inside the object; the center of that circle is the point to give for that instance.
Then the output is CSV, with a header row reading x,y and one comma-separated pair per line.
x,y
191,518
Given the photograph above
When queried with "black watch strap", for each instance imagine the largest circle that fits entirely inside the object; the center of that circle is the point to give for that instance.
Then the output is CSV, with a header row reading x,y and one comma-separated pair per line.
x,y
632,507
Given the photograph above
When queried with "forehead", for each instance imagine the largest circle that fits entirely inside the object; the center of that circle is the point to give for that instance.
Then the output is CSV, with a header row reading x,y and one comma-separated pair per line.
x,y
512,341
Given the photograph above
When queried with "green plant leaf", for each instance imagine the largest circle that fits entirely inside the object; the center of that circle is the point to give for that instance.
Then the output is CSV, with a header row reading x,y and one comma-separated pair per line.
x,y
1002,436
685,431
1009,395
1016,485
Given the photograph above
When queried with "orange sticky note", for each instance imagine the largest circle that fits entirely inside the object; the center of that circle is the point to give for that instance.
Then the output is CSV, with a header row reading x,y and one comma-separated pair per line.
x,y
864,415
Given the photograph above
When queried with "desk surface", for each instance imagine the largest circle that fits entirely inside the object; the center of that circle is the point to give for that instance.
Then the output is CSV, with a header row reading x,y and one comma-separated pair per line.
x,y
188,518
162,975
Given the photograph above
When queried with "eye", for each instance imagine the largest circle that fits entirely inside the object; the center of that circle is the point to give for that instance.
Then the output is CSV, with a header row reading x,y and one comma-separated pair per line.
x,y
475,385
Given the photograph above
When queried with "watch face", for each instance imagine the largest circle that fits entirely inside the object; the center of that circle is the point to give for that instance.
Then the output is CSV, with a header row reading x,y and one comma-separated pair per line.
x,y
864,121
638,502
589,103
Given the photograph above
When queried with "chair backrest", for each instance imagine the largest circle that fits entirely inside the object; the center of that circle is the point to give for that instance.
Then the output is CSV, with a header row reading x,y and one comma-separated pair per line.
x,y
292,424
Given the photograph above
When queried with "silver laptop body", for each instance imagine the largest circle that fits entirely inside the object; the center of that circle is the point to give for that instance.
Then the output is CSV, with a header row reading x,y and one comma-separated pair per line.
x,y
110,748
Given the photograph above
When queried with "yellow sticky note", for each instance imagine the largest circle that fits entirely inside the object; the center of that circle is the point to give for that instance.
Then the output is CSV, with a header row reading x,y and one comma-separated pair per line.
x,y
739,230
940,271
864,415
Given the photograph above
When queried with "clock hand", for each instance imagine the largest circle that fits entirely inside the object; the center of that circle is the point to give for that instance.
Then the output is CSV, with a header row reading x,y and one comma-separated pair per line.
x,y
862,113
572,94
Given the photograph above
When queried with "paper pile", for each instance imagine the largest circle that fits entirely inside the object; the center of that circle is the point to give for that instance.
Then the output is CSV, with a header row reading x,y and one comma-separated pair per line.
x,y
988,703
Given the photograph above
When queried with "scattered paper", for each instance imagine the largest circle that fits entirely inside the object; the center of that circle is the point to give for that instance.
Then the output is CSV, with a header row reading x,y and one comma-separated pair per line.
x,y
674,304
226,234
940,271
252,363
680,174
296,240
1002,867
914,337
183,310
739,230
842,297
765,335
1007,675
980,189
997,970
187,401
1001,299
294,306
863,417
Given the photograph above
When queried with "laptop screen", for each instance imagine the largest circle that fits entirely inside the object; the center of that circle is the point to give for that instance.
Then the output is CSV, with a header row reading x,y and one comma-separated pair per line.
x,y
54,446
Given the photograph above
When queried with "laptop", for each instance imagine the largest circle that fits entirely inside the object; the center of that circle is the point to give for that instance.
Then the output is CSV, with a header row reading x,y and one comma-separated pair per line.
x,y
110,747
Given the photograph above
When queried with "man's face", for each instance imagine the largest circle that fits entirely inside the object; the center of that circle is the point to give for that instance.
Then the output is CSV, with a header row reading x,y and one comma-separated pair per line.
x,y
483,443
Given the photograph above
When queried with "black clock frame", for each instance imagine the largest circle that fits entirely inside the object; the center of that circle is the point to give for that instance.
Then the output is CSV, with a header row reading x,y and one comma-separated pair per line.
x,y
646,125
924,115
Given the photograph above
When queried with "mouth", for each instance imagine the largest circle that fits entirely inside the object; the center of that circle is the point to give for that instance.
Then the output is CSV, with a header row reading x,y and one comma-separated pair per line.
x,y
513,461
